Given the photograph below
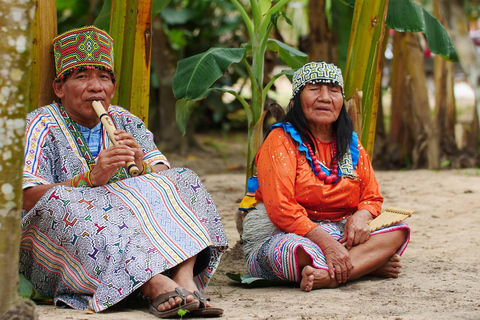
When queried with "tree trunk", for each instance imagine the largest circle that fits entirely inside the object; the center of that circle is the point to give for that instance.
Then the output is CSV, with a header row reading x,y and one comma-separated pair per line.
x,y
426,149
321,44
16,50
469,59
400,139
164,124
131,30
42,71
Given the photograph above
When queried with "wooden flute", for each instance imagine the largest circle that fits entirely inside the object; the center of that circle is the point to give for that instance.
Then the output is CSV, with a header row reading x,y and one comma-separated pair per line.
x,y
110,127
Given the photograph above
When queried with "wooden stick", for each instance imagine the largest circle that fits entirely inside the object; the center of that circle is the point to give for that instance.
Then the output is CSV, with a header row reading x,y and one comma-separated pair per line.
x,y
110,127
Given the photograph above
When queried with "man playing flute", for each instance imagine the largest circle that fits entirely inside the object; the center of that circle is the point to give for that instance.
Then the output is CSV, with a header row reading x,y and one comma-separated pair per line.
x,y
91,234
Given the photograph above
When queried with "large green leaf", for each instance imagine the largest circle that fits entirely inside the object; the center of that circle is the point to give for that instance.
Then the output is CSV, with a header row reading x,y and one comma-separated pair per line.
x,y
264,5
158,6
26,290
407,16
103,18
184,108
292,57
253,282
197,73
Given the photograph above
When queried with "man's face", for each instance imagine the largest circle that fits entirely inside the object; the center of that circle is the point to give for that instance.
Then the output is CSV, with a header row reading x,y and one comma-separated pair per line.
x,y
80,89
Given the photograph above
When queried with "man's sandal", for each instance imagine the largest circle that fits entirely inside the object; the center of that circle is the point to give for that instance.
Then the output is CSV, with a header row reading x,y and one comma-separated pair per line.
x,y
203,310
173,312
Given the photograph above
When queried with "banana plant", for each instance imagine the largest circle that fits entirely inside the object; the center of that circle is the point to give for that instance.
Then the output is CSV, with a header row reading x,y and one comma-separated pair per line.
x,y
130,25
197,74
363,67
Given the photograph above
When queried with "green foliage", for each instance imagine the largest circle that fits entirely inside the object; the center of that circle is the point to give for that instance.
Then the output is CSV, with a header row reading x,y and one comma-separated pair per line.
x,y
26,290
342,23
407,16
103,19
350,3
292,57
74,14
197,73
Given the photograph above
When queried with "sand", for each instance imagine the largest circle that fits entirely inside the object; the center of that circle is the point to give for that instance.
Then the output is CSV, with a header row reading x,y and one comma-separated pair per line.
x,y
440,266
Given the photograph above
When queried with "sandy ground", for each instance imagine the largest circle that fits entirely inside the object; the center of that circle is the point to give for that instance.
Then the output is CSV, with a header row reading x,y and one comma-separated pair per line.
x,y
440,273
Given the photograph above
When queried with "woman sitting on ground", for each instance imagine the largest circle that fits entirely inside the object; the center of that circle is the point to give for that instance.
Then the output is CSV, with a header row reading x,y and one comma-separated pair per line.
x,y
317,193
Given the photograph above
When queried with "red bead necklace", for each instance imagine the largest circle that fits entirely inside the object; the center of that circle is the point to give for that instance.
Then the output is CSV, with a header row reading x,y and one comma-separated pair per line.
x,y
332,177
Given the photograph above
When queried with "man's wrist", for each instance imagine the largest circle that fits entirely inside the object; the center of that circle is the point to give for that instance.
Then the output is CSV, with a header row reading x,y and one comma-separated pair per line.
x,y
82,180
146,168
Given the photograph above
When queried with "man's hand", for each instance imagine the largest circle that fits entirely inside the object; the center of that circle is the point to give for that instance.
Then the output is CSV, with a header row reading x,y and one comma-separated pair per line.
x,y
109,161
124,138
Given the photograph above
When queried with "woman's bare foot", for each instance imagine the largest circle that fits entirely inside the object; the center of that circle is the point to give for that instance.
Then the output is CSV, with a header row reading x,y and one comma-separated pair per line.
x,y
391,269
313,278
161,284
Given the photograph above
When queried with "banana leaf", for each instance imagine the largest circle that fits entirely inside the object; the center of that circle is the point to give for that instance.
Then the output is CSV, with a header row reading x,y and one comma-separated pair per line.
x,y
197,73
183,110
407,16
26,290
292,57
254,282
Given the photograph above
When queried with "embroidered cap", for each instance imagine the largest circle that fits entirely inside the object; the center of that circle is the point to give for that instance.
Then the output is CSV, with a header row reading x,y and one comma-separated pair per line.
x,y
316,72
83,48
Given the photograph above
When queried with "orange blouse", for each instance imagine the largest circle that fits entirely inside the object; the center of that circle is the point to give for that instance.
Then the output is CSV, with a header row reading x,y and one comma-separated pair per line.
x,y
294,196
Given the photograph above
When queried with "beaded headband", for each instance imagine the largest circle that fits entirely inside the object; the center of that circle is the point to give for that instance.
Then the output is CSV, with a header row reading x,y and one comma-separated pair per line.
x,y
83,48
316,72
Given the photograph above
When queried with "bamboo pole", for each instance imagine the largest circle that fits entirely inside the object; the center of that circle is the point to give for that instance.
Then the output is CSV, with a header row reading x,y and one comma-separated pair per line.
x,y
131,29
42,71
363,67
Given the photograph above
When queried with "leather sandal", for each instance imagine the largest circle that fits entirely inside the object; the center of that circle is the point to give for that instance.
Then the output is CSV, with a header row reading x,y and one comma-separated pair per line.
x,y
203,310
173,312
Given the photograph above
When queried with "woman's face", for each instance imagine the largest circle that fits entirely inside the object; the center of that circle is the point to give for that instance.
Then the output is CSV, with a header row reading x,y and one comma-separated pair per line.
x,y
321,103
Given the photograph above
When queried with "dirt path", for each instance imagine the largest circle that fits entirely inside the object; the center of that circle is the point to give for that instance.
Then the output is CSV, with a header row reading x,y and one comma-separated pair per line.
x,y
441,264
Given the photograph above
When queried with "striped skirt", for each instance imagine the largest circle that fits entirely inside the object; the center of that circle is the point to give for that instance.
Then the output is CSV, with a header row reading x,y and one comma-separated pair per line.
x,y
271,253
90,248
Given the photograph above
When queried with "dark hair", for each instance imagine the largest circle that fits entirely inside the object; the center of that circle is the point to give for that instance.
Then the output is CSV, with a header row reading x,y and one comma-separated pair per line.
x,y
343,126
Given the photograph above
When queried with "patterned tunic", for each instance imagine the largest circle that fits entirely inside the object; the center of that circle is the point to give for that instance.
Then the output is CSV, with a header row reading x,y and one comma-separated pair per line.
x,y
92,247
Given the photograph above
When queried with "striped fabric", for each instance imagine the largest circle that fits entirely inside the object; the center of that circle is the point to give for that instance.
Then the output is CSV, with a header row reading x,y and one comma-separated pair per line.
x,y
276,259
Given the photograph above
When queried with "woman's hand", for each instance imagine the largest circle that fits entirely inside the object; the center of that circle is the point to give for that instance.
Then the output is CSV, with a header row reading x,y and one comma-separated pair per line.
x,y
338,261
337,256
357,229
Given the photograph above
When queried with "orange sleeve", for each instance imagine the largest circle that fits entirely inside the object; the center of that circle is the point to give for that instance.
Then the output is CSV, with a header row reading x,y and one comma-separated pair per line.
x,y
276,170
370,197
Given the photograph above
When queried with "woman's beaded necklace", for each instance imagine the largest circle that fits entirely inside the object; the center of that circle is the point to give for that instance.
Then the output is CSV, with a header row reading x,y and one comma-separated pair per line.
x,y
332,177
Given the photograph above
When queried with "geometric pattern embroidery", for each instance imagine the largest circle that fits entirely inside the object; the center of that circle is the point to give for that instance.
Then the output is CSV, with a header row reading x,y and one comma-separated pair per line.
x,y
87,46
316,72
